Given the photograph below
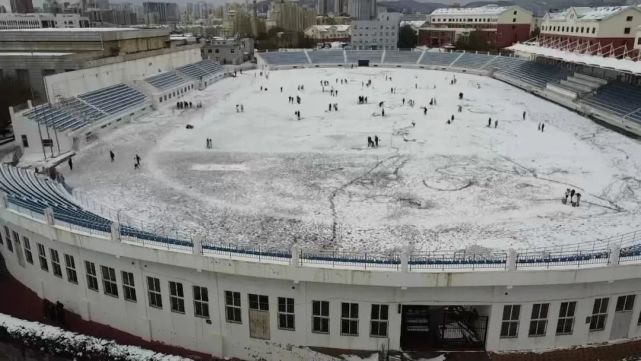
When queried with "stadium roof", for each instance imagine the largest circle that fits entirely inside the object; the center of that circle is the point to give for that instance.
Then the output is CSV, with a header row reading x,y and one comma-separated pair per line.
x,y
481,10
588,13
623,65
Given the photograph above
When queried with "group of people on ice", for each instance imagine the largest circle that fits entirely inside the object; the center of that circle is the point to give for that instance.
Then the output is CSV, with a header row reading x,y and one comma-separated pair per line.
x,y
372,143
240,108
209,143
575,197
186,105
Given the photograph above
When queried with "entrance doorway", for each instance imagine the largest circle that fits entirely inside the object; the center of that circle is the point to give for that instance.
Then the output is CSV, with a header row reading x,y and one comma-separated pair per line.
x,y
425,328
363,63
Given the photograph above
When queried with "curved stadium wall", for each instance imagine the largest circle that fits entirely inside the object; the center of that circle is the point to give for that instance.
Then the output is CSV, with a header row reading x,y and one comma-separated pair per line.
x,y
250,303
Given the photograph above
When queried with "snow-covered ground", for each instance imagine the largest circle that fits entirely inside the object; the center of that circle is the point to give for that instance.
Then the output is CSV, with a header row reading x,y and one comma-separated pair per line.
x,y
271,179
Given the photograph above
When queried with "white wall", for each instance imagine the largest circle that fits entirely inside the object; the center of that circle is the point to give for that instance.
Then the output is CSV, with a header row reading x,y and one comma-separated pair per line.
x,y
85,80
494,289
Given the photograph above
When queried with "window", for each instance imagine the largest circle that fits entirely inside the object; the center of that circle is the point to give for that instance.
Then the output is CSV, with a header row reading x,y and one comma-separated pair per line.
x,y
286,313
55,263
232,307
599,314
378,323
9,243
349,319
109,282
27,250
593,30
92,280
320,316
258,302
510,323
70,267
626,31
639,41
566,318
176,297
25,141
155,297
625,303
201,302
42,256
539,319
128,286
629,18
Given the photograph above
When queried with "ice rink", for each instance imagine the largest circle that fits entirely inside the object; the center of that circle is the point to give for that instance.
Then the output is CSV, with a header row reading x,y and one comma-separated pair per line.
x,y
271,179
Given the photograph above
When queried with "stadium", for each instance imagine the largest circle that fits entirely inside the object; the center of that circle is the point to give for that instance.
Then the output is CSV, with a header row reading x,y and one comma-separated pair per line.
x,y
354,200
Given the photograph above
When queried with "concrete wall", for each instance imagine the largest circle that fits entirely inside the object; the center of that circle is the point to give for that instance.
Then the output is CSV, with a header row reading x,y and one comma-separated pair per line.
x,y
489,289
86,80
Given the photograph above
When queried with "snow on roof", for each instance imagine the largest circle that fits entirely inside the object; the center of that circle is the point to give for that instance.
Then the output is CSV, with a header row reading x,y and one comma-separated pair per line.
x,y
413,23
588,13
482,10
629,66
327,27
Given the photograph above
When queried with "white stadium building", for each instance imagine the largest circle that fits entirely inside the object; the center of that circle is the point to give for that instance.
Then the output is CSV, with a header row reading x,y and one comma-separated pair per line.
x,y
145,251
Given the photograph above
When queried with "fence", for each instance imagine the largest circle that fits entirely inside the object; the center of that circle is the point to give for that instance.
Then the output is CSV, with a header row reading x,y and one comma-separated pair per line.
x,y
169,237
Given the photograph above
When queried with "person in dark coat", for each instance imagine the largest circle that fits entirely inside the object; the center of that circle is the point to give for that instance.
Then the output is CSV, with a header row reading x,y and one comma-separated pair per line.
x,y
376,141
112,155
70,162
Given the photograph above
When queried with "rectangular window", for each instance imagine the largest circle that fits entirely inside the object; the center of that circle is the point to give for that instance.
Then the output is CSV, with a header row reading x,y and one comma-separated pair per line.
x,y
539,319
70,267
42,257
625,303
320,316
25,141
128,286
510,323
566,318
232,307
629,18
378,323
286,314
155,297
201,302
258,302
92,279
55,263
176,297
27,250
599,314
109,282
9,243
349,319
626,31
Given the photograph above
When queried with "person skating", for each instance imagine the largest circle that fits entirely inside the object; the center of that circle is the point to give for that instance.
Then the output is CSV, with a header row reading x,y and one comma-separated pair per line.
x,y
376,141
524,114
370,144
578,199
335,107
496,124
70,164
424,110
539,128
489,122
112,155
383,112
542,127
460,96
572,192
403,101
330,107
137,159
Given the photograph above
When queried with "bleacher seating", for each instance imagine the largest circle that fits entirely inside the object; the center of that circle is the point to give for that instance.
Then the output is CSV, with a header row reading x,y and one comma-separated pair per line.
x,y
374,56
535,74
327,56
401,57
439,59
114,99
619,99
201,69
285,58
473,61
166,80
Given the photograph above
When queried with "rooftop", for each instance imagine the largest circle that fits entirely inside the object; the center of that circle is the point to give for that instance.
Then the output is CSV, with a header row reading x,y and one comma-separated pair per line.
x,y
482,10
588,13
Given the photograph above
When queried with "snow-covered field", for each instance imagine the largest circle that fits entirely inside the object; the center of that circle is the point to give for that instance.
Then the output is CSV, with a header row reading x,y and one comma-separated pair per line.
x,y
271,179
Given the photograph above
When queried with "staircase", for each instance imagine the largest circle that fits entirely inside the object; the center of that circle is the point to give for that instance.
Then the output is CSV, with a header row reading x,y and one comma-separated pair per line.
x,y
576,85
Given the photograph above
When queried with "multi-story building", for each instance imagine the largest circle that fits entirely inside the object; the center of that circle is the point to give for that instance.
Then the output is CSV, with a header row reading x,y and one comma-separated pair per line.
x,y
340,7
610,27
160,13
328,33
16,6
322,7
362,9
381,33
291,16
501,26
228,50
38,21
637,41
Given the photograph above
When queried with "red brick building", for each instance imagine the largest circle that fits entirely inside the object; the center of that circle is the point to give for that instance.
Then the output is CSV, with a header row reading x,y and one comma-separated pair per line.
x,y
606,30
501,26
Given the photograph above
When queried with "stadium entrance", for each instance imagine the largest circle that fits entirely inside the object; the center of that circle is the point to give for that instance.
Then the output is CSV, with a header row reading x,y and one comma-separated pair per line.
x,y
425,328
363,63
